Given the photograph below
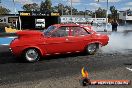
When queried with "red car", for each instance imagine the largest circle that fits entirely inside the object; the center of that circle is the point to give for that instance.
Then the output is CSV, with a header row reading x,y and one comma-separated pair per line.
x,y
57,39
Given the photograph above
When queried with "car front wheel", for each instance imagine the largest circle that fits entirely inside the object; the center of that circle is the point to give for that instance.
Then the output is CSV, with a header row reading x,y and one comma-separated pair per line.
x,y
31,55
91,49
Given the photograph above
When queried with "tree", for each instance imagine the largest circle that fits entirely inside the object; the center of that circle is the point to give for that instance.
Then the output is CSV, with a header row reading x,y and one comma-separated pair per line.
x,y
48,4
42,6
74,11
114,13
31,7
100,13
54,9
81,13
45,5
67,10
4,10
60,8
88,12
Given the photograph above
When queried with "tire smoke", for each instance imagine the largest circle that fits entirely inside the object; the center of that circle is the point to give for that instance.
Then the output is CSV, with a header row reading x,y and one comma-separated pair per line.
x,y
119,42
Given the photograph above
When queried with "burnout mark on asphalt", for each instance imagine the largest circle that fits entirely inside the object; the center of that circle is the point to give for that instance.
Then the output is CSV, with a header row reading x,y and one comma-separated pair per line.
x,y
127,63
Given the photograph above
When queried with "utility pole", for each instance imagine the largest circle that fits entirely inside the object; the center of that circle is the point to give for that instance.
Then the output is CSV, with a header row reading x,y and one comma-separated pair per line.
x,y
14,6
107,15
0,4
15,12
71,10
62,9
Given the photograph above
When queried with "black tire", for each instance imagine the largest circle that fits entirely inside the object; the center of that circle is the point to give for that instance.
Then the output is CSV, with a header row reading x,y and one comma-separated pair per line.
x,y
85,82
92,48
31,55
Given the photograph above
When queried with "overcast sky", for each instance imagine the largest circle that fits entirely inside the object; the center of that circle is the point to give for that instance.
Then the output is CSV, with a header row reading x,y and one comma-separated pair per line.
x,y
79,4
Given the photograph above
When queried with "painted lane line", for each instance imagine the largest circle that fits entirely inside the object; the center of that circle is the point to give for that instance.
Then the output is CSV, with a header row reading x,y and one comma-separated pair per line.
x,y
4,44
129,69
8,37
11,37
6,40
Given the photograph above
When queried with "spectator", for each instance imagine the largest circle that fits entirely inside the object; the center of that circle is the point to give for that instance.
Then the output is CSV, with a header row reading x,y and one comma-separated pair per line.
x,y
114,26
92,23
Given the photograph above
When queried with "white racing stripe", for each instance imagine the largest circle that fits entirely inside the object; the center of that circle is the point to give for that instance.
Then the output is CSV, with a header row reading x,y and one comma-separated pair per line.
x,y
129,69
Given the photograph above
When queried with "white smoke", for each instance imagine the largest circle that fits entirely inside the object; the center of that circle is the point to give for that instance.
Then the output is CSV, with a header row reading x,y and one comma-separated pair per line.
x,y
119,41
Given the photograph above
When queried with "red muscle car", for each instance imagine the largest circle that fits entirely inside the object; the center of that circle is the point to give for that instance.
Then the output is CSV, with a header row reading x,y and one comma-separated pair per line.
x,y
57,39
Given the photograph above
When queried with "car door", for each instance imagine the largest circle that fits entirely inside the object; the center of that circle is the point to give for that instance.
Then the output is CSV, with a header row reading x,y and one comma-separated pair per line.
x,y
79,38
57,42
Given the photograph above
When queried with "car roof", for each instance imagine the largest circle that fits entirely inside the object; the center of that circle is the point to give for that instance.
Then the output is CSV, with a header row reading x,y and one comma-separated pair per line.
x,y
88,28
67,24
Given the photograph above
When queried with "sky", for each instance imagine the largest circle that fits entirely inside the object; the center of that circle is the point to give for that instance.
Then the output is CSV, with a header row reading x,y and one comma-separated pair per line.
x,y
120,5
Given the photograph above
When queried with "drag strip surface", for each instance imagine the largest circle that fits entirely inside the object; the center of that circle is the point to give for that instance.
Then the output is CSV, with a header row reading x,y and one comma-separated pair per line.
x,y
62,71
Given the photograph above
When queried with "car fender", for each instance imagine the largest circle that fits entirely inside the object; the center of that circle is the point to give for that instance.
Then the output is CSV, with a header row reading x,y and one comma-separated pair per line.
x,y
97,42
42,51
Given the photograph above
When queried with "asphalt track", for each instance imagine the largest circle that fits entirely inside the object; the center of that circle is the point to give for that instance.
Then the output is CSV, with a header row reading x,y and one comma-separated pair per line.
x,y
64,71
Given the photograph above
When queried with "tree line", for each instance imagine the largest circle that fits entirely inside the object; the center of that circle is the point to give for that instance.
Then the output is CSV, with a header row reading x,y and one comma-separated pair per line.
x,y
46,5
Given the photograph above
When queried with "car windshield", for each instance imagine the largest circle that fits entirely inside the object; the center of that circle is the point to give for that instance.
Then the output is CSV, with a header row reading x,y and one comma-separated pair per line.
x,y
48,30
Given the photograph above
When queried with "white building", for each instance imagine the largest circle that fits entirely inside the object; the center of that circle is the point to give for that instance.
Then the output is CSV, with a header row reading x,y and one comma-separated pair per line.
x,y
8,19
81,19
126,16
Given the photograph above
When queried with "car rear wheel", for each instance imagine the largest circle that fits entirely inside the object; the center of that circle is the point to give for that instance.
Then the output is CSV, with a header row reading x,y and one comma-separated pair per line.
x,y
92,48
31,55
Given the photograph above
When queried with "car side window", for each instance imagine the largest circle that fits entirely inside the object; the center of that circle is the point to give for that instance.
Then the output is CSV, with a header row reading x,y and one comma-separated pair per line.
x,y
78,31
60,32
